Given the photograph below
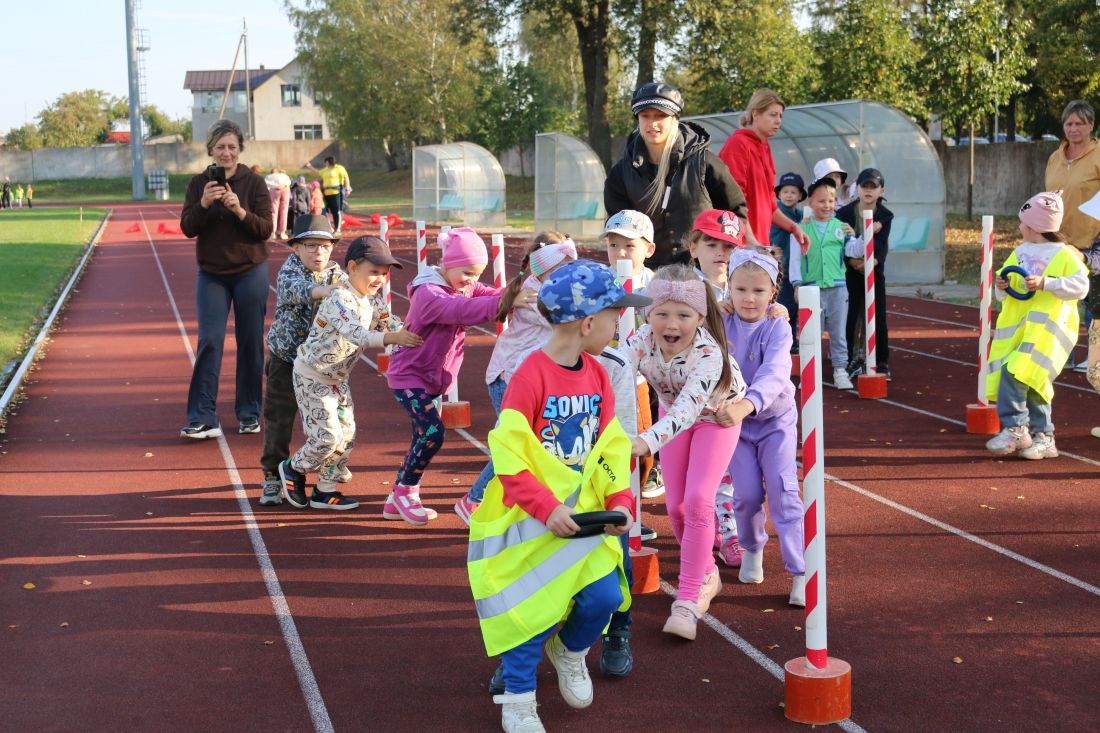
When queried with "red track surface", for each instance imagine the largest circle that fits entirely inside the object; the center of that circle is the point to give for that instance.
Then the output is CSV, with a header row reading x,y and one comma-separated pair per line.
x,y
171,633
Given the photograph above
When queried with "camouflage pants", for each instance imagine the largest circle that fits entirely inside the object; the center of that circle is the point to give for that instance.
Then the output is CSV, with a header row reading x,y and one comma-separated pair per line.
x,y
328,418
280,412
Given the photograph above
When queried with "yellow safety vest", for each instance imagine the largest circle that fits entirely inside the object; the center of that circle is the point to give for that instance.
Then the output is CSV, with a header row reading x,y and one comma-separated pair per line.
x,y
1035,337
523,577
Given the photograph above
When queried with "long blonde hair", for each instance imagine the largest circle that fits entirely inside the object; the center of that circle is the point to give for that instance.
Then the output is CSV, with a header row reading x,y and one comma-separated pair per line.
x,y
760,101
712,323
654,193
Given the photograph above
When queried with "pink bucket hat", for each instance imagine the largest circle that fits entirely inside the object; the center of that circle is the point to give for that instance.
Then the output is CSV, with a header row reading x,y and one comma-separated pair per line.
x,y
461,247
1043,212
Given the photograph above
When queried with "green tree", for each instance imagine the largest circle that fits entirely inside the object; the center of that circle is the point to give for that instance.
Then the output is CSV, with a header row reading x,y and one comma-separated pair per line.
x,y
641,25
80,119
513,110
157,122
26,137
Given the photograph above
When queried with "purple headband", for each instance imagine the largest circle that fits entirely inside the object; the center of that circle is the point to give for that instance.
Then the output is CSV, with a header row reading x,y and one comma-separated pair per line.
x,y
692,293
766,263
550,255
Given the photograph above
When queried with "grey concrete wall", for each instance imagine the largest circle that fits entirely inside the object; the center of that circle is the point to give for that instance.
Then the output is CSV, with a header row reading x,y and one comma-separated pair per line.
x,y
1005,175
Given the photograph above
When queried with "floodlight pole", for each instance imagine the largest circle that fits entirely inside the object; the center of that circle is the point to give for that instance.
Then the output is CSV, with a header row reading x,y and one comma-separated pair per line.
x,y
247,81
137,150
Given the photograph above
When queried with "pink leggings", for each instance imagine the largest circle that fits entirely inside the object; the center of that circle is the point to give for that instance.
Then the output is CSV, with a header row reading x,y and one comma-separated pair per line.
x,y
693,465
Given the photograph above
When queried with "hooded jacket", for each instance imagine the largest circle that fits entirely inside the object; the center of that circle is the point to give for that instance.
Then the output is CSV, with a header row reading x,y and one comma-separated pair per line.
x,y
750,162
440,316
698,180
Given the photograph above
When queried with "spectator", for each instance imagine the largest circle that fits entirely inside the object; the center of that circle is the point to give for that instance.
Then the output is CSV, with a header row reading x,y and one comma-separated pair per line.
x,y
5,194
30,196
278,186
230,225
335,185
299,201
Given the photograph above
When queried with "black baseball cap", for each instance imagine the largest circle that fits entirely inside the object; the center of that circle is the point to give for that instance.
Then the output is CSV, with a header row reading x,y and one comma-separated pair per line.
x,y
657,96
870,175
823,181
372,249
791,179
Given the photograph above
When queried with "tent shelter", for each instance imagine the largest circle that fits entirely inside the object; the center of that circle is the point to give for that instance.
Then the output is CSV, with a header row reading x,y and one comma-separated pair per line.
x,y
867,134
458,182
569,182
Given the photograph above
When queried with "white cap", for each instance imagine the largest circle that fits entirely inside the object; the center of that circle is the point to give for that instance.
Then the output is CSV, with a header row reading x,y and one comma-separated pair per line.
x,y
827,166
630,224
1091,207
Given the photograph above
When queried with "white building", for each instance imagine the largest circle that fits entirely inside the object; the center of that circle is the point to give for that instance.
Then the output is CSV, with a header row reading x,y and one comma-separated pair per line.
x,y
283,107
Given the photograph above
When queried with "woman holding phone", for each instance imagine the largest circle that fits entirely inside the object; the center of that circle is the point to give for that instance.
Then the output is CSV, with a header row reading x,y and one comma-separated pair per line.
x,y
227,209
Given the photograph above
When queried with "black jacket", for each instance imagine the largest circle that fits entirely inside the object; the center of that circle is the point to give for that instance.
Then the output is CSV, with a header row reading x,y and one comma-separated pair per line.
x,y
698,178
850,214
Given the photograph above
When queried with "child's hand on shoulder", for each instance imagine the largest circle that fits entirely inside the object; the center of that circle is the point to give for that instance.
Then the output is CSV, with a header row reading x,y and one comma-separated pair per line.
x,y
848,230
525,298
778,310
638,448
560,522
323,291
726,308
402,338
616,531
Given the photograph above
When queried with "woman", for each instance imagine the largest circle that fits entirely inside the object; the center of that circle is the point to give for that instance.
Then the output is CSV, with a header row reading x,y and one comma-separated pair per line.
x,y
668,172
1074,169
278,187
231,225
335,186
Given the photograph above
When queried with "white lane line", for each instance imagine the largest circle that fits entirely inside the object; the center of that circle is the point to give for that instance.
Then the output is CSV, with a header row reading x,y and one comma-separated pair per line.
x,y
310,691
937,320
967,363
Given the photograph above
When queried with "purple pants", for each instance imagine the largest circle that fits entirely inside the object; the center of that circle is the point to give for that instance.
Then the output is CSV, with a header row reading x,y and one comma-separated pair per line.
x,y
765,456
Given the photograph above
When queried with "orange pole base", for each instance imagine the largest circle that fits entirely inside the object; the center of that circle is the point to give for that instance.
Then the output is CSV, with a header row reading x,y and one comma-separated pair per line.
x,y
982,419
456,415
647,571
817,696
796,365
383,363
871,386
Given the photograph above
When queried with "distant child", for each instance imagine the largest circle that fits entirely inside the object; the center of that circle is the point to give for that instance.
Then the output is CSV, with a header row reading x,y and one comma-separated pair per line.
x,y
558,450
526,329
870,186
344,325
30,196
443,302
682,352
306,278
823,266
19,195
788,193
316,200
765,455
1035,337
830,168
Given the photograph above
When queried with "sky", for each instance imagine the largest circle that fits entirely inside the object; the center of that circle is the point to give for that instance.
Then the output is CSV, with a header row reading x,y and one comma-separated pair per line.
x,y
86,48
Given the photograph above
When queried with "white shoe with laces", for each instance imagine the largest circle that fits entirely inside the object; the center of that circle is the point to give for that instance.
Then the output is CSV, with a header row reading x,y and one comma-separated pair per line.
x,y
752,568
1009,440
841,379
798,591
520,713
1042,446
684,620
573,679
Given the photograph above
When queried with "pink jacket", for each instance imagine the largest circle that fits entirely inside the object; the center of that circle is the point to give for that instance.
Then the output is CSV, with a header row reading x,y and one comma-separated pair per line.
x,y
440,316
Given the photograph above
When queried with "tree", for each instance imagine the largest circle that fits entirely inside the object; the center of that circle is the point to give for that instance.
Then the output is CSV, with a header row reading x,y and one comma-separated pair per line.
x,y
513,110
641,24
158,122
26,137
80,119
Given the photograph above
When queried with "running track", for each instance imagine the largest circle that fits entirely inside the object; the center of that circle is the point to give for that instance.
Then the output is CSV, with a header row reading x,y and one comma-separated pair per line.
x,y
359,624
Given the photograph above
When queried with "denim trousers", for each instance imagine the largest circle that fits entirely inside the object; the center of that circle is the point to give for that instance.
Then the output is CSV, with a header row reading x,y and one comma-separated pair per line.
x,y
1018,404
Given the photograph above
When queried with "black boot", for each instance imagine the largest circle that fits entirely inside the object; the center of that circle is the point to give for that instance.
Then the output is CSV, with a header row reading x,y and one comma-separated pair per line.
x,y
616,659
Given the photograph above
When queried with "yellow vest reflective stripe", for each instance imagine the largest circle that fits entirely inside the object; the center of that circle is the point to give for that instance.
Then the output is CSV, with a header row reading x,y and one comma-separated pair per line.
x,y
523,578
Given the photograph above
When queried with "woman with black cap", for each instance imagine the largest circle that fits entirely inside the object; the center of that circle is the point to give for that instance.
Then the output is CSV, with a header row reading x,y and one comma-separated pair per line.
x,y
668,172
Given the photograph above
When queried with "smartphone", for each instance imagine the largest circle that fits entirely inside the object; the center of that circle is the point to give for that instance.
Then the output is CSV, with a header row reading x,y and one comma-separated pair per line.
x,y
216,173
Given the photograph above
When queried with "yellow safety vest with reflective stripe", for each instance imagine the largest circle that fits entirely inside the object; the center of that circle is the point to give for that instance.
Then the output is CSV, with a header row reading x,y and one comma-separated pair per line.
x,y
1035,337
522,576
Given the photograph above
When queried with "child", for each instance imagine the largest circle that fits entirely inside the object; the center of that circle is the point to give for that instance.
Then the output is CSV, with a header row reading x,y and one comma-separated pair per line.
x,y
830,168
823,266
871,186
1035,337
526,330
306,278
316,200
765,454
443,302
788,193
345,324
682,353
30,196
19,195
558,450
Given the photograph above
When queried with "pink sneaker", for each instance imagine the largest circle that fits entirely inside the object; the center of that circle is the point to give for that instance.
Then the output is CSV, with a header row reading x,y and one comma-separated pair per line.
x,y
389,510
731,553
464,508
717,539
404,502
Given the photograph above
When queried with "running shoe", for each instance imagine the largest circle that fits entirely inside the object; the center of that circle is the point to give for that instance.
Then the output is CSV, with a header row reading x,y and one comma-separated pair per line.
x,y
406,499
616,659
731,553
798,591
654,484
1009,440
712,586
1082,367
294,485
684,620
496,685
573,679
855,368
344,477
752,567
883,369
464,508
270,493
331,500
648,533
249,425
841,380
199,431
1042,446
389,510
519,712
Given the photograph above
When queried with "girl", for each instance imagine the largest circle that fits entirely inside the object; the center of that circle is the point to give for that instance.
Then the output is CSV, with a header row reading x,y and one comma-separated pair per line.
x,y
681,352
765,454
526,330
443,302
316,200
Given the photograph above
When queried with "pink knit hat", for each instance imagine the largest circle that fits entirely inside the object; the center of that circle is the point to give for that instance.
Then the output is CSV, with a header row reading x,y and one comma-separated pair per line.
x,y
1043,212
461,247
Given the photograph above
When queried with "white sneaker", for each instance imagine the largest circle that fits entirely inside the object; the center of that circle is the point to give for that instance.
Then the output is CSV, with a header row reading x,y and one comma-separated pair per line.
x,y
684,620
573,679
752,567
798,591
712,586
1042,446
1009,440
520,713
654,484
841,380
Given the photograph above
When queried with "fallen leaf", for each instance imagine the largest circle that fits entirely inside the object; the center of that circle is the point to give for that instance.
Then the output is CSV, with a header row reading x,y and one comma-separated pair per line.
x,y
29,586
988,618
281,524
385,483
769,610
918,393
705,680
983,506
873,440
149,514
992,488
268,643
82,556
798,628
1019,497
957,660
843,411
782,704
65,625
86,582
1019,603
148,455
13,626
943,430
774,646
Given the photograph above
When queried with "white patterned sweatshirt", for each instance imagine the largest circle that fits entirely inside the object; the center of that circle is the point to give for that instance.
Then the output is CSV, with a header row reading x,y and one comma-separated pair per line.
x,y
345,324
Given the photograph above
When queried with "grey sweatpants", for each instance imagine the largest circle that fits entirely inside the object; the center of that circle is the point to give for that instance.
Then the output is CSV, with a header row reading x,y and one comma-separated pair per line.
x,y
834,321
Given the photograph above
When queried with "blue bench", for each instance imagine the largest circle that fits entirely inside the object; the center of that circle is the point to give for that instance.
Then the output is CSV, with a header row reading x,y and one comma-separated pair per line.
x,y
909,234
585,210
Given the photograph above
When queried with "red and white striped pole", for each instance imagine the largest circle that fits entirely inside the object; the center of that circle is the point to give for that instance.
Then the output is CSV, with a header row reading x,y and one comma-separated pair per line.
x,y
499,279
872,385
982,417
387,297
817,687
421,247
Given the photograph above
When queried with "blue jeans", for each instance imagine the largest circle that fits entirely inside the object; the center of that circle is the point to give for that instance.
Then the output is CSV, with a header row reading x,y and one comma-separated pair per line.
x,y
247,293
477,492
592,607
621,620
1018,404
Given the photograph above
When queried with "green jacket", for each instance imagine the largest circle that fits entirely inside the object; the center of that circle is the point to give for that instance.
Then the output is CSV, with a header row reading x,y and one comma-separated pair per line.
x,y
823,265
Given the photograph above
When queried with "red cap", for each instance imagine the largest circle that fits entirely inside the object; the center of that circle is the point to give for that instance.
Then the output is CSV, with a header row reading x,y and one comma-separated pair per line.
x,y
722,225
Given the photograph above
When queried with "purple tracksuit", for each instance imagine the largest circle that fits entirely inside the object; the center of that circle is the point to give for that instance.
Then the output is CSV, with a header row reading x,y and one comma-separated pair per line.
x,y
765,454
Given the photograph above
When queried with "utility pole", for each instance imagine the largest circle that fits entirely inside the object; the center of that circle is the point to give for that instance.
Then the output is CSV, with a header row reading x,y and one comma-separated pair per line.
x,y
137,151
247,80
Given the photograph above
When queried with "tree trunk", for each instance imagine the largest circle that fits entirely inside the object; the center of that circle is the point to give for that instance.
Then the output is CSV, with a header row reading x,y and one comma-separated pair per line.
x,y
593,30
970,187
647,43
1010,119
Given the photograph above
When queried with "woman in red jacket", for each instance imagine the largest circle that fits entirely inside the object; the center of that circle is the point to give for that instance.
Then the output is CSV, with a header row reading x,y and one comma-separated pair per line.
x,y
749,158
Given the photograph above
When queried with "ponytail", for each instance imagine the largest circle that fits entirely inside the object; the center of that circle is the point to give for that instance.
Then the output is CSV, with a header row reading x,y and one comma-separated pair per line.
x,y
508,297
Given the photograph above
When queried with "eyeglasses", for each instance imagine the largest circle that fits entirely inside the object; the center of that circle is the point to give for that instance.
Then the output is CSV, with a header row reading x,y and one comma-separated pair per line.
x,y
316,247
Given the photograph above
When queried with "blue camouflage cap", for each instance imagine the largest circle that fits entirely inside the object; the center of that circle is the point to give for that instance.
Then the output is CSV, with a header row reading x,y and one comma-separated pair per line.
x,y
583,288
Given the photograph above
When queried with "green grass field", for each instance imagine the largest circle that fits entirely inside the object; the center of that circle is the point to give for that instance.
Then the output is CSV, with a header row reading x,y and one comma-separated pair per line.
x,y
37,250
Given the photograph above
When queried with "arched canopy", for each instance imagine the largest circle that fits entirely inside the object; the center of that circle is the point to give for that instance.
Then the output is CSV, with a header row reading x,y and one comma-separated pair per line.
x,y
866,134
458,182
569,180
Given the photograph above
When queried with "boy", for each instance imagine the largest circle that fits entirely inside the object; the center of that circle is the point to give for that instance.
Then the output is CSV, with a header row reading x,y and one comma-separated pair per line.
x,y
557,429
870,187
823,266
788,193
30,196
305,279
349,320
830,168
19,195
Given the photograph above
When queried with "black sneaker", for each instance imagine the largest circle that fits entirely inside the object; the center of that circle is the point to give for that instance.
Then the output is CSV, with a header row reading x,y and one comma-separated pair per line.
x,y
616,659
883,369
496,685
648,533
249,425
654,483
294,485
855,368
270,490
199,431
331,500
